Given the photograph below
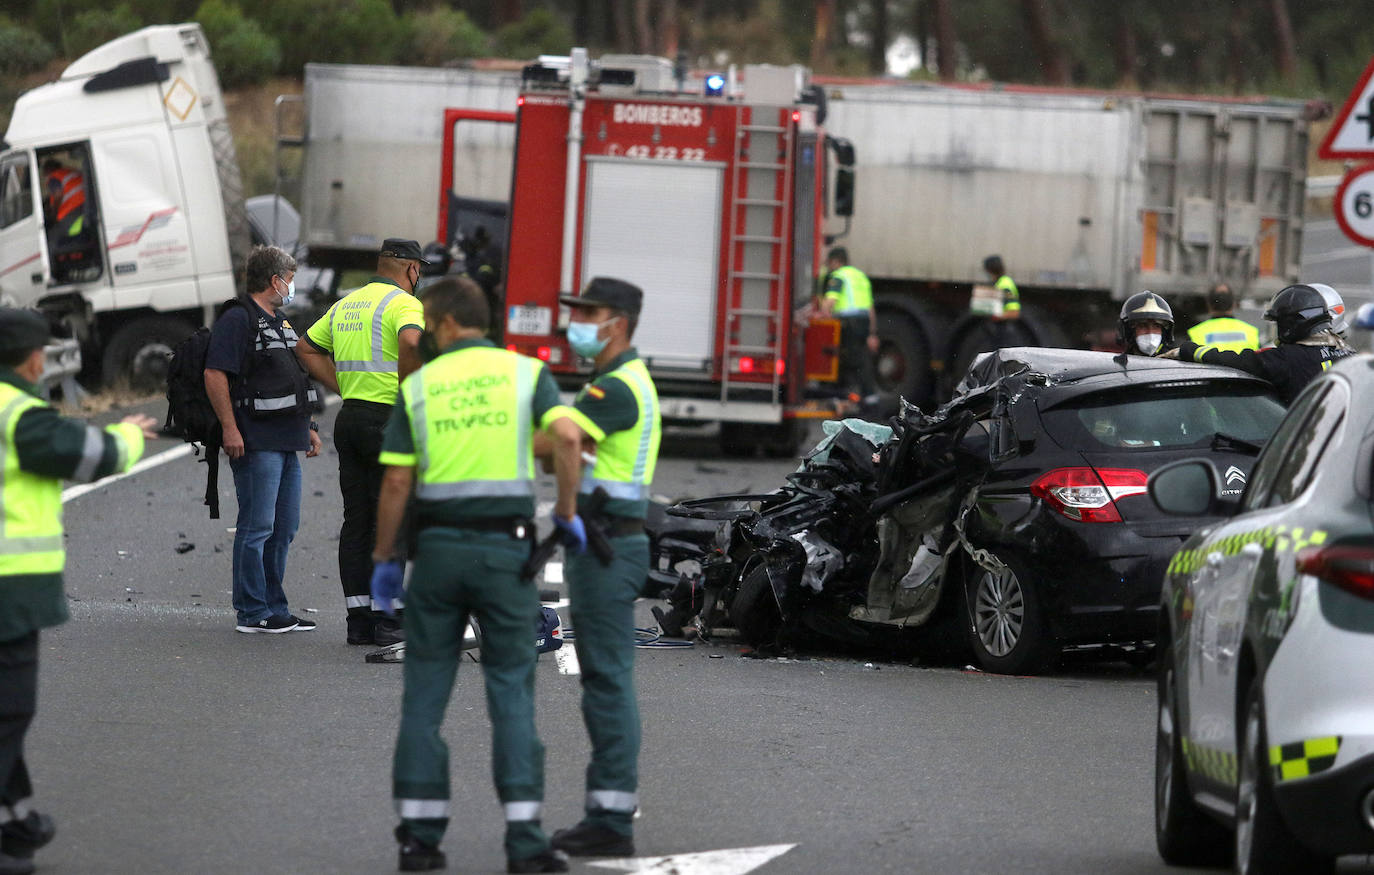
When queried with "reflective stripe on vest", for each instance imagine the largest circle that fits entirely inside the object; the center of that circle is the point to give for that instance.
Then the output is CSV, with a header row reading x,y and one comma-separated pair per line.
x,y
30,505
857,295
357,325
1225,332
625,460
468,410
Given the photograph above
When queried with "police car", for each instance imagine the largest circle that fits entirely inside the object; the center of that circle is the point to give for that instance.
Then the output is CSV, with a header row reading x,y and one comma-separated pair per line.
x,y
1265,733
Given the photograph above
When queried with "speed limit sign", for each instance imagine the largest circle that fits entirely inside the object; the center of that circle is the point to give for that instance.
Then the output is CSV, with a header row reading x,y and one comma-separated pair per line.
x,y
1355,205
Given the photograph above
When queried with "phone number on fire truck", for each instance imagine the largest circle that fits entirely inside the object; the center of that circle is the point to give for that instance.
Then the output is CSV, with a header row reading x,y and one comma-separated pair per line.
x,y
660,153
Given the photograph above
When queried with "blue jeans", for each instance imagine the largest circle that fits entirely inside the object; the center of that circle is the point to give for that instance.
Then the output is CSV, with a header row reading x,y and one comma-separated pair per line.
x,y
268,484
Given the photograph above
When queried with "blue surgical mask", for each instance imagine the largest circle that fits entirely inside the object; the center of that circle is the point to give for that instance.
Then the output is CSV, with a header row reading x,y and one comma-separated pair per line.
x,y
290,293
582,337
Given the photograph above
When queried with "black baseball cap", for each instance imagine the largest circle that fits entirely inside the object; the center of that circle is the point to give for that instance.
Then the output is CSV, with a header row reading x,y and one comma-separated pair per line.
x,y
22,330
607,292
399,247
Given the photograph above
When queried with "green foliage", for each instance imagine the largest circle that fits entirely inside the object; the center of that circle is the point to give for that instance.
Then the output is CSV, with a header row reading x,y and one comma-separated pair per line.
x,y
331,31
438,36
22,50
540,32
94,27
243,52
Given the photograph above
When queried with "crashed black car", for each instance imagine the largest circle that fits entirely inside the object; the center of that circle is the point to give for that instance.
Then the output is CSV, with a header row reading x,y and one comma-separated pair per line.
x,y
1013,517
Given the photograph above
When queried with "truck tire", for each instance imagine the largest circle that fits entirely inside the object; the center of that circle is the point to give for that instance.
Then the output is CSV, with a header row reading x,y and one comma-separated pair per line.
x,y
736,440
1184,834
754,610
744,439
902,364
978,334
138,353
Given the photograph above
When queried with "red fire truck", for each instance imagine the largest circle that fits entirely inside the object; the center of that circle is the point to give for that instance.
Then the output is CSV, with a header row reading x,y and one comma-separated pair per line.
x,y
709,197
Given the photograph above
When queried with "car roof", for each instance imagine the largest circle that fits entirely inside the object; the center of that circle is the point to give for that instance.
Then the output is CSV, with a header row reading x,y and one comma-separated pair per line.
x,y
1055,374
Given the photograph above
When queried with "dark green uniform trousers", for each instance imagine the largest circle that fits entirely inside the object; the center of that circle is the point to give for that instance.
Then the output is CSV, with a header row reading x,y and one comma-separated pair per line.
x,y
602,603
457,573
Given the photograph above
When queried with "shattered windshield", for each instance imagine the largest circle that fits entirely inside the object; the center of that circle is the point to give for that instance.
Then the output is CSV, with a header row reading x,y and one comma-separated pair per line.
x,y
1144,418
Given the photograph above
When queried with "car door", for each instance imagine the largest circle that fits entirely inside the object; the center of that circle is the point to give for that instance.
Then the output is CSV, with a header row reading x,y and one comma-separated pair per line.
x,y
1219,590
23,257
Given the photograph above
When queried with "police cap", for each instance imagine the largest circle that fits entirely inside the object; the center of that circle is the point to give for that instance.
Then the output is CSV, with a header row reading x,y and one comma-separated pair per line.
x,y
22,330
399,247
606,292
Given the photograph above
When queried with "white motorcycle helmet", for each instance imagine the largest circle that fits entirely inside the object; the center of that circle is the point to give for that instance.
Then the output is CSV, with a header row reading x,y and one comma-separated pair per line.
x,y
1334,305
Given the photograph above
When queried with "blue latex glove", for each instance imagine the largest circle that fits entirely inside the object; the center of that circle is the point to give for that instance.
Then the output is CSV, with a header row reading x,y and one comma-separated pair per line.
x,y
387,579
574,532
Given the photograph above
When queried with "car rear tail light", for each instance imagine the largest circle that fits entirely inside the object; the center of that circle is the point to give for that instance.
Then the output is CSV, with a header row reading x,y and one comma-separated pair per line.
x,y
1349,567
1088,495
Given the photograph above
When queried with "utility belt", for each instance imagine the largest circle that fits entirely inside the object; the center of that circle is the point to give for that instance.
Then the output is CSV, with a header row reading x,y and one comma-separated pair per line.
x,y
363,404
518,527
620,526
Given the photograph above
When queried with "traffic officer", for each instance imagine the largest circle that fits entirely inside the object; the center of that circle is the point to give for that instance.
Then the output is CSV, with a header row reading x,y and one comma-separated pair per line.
x,y
1221,329
361,348
41,448
1011,295
849,296
1146,325
1306,344
461,432
618,410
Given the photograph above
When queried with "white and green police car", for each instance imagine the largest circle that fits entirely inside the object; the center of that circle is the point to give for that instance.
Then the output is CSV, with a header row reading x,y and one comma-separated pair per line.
x,y
1265,738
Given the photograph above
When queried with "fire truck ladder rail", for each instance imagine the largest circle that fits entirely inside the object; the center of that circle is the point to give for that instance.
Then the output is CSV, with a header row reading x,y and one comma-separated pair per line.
x,y
757,202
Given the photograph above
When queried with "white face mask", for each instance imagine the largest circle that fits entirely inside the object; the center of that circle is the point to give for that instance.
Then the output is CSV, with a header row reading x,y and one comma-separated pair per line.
x,y
1148,343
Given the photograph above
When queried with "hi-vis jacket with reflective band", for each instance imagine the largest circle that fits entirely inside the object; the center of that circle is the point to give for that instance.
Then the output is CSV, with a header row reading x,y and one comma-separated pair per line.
x,y
625,459
1225,332
361,330
40,448
1011,295
851,291
66,200
468,410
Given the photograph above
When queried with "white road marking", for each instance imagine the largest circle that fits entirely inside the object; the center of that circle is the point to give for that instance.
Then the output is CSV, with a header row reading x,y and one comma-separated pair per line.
x,y
150,462
566,657
553,572
735,861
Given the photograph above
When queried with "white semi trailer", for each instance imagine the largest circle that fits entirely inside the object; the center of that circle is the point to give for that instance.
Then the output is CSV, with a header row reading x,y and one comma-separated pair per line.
x,y
160,226
1088,197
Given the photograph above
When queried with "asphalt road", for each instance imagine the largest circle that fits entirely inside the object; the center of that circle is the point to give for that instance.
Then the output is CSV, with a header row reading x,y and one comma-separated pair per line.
x,y
167,743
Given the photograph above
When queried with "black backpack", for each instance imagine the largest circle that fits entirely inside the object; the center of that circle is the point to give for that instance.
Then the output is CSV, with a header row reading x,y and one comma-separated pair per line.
x,y
189,412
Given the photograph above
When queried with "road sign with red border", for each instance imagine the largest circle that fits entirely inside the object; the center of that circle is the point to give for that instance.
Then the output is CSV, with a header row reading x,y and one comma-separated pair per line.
x,y
1354,205
1352,133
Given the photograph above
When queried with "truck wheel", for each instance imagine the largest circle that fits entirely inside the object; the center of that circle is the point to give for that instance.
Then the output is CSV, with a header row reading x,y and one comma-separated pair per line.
x,y
754,610
1184,834
902,364
977,334
139,352
737,440
1007,626
1264,843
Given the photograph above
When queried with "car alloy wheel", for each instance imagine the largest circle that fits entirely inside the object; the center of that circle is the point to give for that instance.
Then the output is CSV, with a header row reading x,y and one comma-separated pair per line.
x,y
1247,798
1184,835
999,611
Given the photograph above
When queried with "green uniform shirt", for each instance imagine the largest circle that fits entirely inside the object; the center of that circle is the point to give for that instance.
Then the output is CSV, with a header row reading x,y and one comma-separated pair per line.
x,y
1011,296
363,338
49,444
398,441
607,405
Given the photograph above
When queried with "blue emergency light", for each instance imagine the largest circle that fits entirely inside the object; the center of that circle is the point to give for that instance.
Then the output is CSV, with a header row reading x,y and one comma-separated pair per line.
x,y
715,85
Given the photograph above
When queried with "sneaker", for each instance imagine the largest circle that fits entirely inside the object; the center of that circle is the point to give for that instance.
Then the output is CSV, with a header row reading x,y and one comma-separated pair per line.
x,y
271,624
416,856
20,865
20,838
593,840
548,860
303,625
387,632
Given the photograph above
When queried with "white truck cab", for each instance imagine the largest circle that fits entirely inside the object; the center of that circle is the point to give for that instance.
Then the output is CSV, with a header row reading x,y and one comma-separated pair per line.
x,y
121,209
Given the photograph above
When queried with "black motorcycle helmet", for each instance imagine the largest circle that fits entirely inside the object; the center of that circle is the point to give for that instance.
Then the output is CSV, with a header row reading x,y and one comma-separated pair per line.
x,y
1140,307
1298,311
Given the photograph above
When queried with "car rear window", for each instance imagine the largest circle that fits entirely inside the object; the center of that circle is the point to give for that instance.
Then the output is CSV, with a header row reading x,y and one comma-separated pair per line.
x,y
1145,417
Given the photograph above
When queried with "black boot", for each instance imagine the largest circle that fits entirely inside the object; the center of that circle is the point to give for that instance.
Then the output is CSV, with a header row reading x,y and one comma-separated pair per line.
x,y
547,860
20,838
593,840
360,629
23,865
415,855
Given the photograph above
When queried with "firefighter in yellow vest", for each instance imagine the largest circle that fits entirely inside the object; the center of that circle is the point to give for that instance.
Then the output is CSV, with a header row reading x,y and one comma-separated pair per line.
x,y
618,411
849,297
462,434
41,448
361,349
1222,330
